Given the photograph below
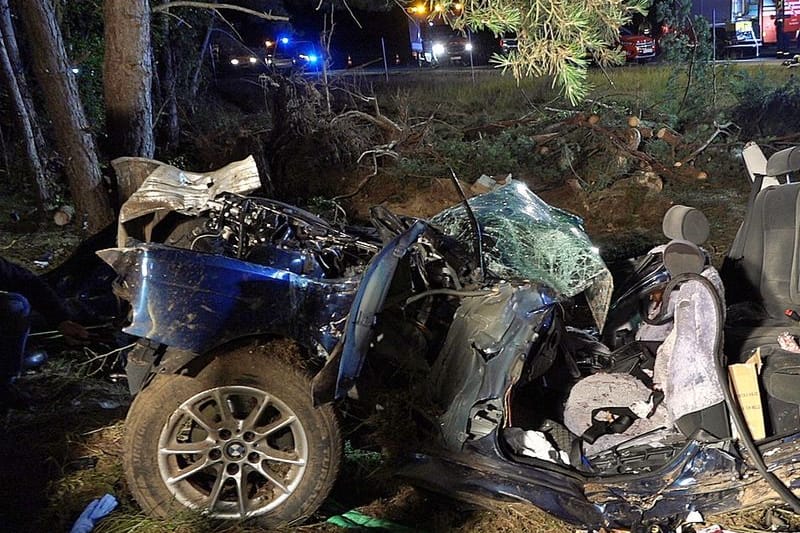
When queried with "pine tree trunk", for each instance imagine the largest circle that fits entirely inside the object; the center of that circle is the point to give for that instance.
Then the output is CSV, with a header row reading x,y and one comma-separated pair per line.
x,y
128,77
10,75
7,28
71,130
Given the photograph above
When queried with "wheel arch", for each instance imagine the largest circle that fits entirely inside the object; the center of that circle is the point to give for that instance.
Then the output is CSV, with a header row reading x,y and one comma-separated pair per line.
x,y
150,359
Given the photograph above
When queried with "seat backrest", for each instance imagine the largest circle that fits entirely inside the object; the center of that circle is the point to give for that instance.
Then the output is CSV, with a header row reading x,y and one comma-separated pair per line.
x,y
685,366
764,261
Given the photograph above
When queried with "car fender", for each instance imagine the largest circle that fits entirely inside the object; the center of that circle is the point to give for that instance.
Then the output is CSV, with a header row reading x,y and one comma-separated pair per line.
x,y
348,358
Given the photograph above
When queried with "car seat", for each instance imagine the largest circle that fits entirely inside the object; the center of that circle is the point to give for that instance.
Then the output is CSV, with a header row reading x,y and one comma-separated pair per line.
x,y
684,374
648,275
762,268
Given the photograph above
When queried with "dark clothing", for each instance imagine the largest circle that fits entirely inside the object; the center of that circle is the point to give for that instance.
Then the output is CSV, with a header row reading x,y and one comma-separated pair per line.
x,y
21,290
14,323
14,278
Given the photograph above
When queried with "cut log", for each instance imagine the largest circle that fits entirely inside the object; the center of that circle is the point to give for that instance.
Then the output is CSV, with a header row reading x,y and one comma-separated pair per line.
x,y
670,137
633,121
64,215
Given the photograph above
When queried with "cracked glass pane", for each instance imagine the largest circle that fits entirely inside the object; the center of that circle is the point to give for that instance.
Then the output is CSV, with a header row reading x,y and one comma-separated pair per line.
x,y
527,239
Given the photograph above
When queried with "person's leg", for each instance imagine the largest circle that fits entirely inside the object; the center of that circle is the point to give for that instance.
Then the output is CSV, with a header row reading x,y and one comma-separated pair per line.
x,y
14,325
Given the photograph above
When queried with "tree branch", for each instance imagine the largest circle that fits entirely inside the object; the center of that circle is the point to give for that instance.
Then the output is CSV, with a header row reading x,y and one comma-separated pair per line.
x,y
209,5
723,129
380,121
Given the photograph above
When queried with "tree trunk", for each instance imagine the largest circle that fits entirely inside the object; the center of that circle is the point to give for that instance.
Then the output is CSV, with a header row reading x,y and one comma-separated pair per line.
x,y
195,86
127,78
24,119
7,28
171,129
73,138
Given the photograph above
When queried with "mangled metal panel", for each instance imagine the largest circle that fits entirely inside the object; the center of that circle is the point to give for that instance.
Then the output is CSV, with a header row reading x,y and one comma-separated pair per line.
x,y
484,353
168,188
196,302
527,239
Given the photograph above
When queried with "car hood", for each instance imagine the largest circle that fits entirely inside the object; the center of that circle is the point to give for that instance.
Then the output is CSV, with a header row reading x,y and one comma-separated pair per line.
x,y
634,39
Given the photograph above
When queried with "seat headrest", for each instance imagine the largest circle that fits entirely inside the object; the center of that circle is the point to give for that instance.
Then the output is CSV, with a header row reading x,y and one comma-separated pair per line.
x,y
683,257
685,223
783,162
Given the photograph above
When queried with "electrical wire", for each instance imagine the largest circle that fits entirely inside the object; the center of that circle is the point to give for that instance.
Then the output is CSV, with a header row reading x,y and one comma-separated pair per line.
x,y
448,292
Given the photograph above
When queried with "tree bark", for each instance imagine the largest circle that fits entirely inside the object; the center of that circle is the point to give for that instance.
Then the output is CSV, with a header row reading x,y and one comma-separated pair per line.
x,y
128,77
7,28
60,91
24,119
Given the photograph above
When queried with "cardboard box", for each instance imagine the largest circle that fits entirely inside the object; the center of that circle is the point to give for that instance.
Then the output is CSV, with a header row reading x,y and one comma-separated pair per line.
x,y
744,380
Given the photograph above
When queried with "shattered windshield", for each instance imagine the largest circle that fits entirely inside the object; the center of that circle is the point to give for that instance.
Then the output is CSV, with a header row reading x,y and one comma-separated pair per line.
x,y
525,238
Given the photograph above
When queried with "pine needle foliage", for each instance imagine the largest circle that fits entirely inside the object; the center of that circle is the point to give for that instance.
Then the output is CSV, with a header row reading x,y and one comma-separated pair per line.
x,y
557,38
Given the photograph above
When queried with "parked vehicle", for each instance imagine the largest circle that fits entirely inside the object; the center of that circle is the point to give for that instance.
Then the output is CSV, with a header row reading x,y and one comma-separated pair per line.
x,y
304,55
637,47
283,55
508,43
545,386
435,43
455,50
246,62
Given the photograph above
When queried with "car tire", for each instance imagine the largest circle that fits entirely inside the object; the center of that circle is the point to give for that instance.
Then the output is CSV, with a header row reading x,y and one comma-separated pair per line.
x,y
241,440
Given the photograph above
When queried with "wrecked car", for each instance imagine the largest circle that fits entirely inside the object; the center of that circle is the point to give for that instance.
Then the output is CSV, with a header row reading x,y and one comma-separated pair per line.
x,y
605,406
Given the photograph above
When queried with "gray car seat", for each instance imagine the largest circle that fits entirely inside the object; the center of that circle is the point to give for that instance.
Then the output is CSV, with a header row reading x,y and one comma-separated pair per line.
x,y
681,223
762,269
684,371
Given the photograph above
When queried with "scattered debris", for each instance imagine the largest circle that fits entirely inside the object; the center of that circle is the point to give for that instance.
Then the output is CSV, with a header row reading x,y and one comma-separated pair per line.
x,y
793,62
94,512
486,183
788,342
355,520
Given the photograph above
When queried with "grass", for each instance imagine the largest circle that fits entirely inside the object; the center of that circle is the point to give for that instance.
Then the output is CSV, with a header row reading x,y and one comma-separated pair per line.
x,y
499,97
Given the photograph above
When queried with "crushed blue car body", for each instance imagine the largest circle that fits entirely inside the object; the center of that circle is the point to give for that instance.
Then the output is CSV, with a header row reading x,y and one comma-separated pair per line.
x,y
539,385
197,302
